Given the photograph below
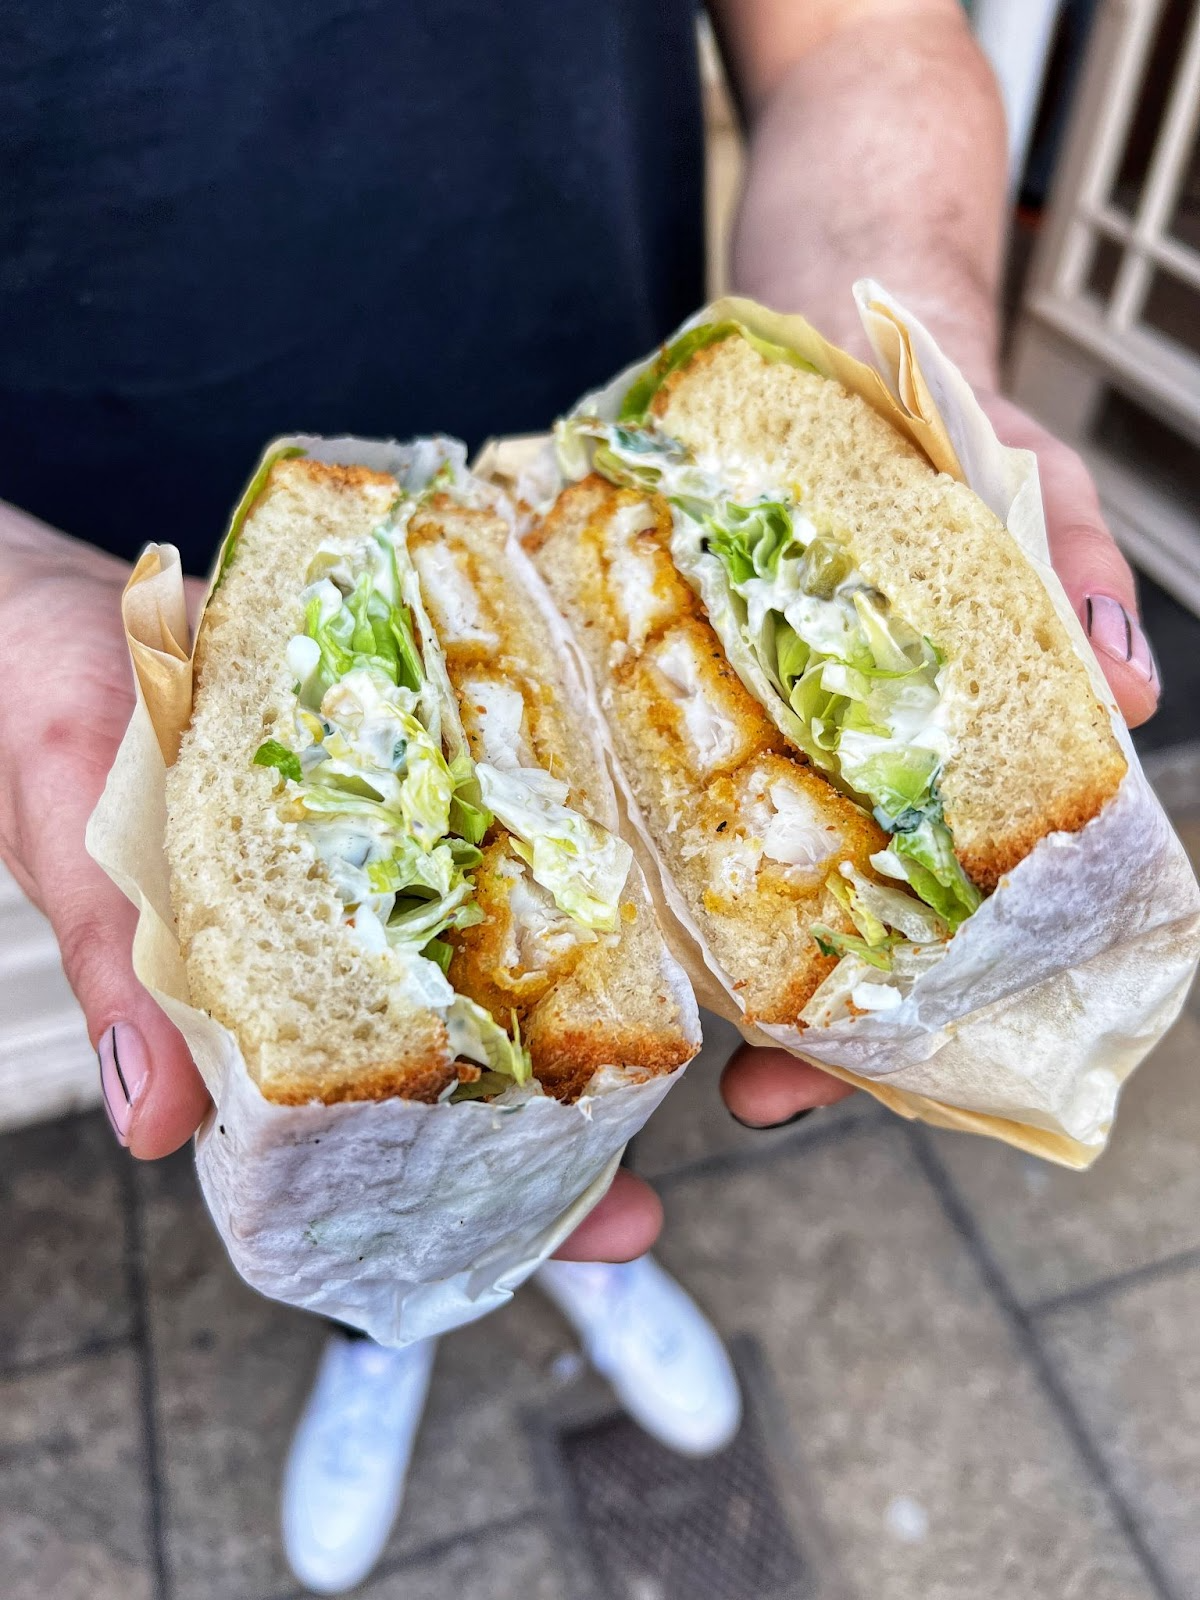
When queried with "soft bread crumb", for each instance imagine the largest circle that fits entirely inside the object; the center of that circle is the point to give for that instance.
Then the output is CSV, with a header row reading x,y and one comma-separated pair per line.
x,y
259,924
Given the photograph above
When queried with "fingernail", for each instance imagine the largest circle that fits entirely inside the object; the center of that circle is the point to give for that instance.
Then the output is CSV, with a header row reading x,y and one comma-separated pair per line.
x,y
762,1127
124,1066
1111,629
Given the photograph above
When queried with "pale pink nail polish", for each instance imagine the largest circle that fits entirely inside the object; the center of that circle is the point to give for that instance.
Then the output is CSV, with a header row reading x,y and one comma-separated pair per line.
x,y
124,1067
1119,635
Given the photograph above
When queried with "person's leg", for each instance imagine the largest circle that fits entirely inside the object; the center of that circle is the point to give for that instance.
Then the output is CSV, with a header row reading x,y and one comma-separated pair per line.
x,y
343,1483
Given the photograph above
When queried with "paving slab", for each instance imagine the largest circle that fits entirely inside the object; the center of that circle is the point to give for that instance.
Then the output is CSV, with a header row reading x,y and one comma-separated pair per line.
x,y
1053,1231
635,1519
63,1224
511,1563
1131,1361
692,1124
73,1487
939,1464
233,1371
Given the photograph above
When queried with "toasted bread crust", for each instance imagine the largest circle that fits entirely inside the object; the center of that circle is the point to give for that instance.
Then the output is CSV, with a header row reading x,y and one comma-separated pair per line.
x,y
387,1081
569,1057
334,476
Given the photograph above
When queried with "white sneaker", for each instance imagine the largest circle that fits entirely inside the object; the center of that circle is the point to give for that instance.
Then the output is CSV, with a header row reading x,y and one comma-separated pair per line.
x,y
652,1342
344,1478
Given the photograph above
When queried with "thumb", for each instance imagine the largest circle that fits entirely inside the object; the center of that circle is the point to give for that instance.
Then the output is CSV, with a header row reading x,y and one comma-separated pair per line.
x,y
153,1094
1100,586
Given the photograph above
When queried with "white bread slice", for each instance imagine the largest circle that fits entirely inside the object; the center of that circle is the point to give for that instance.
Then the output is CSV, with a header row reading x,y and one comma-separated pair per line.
x,y
707,768
260,925
1033,749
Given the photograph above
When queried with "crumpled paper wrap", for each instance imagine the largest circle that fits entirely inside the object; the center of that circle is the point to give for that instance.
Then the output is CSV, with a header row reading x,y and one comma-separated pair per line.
x,y
1075,967
399,1218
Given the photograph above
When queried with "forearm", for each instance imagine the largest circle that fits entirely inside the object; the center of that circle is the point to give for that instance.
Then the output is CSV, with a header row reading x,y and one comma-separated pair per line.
x,y
881,153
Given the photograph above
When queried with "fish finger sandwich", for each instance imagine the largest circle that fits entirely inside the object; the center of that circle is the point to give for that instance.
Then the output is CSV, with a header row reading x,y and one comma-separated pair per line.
x,y
839,692
392,840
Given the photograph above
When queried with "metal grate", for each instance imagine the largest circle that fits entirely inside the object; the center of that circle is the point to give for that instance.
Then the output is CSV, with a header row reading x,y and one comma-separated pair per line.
x,y
1114,296
1144,213
663,1527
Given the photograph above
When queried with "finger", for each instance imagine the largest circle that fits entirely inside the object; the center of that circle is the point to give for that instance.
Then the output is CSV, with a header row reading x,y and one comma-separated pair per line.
x,y
153,1094
763,1088
623,1225
1098,580
1099,583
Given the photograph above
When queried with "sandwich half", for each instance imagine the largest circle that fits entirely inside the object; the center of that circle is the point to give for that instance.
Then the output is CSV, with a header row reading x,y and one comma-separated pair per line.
x,y
838,692
392,839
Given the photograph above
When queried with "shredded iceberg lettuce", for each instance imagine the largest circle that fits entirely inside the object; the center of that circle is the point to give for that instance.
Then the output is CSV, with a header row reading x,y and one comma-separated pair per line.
x,y
476,1035
273,754
925,856
364,628
583,866
377,801
485,1087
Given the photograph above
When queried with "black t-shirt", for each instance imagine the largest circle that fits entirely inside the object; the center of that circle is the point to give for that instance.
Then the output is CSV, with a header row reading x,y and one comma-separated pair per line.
x,y
228,219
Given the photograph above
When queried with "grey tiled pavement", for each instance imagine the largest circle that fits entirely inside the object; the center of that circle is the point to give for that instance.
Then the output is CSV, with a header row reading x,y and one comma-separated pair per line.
x,y
1131,1360
74,1506
977,1377
65,1242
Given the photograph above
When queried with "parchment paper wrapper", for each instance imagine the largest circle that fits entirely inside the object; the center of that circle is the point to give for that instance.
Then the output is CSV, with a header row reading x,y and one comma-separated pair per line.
x,y
402,1219
1061,982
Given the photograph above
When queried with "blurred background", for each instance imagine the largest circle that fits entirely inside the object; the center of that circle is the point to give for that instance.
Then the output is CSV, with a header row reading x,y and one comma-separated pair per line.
x,y
966,1374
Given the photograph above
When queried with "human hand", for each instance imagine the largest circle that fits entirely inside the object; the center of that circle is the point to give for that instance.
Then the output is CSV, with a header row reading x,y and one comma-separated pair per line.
x,y
763,1087
68,698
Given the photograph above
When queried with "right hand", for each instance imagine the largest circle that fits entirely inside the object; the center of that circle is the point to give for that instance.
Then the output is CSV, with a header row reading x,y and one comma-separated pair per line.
x,y
68,694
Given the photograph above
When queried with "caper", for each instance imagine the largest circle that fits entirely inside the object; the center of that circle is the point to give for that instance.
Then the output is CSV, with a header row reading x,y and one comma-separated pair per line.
x,y
823,567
